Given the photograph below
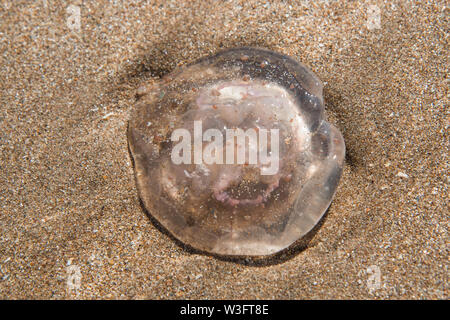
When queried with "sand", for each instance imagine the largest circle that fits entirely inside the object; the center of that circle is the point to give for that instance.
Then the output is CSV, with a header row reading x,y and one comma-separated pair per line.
x,y
71,224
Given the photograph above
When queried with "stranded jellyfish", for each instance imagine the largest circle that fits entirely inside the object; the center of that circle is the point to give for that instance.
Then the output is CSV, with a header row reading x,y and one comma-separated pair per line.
x,y
232,153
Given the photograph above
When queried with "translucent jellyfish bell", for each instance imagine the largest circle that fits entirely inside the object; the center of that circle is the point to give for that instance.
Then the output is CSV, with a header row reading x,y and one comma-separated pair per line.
x,y
233,155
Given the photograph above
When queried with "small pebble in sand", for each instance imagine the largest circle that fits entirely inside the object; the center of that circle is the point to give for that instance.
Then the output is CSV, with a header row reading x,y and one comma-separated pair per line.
x,y
402,175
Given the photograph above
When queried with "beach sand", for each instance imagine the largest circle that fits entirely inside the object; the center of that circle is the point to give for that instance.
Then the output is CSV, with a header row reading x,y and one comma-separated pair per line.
x,y
71,223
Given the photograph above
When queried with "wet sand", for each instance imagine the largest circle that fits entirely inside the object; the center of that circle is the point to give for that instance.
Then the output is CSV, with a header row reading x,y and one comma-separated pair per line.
x,y
71,223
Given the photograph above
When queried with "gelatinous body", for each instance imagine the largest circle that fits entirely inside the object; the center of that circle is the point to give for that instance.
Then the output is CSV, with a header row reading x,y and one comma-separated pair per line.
x,y
232,153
